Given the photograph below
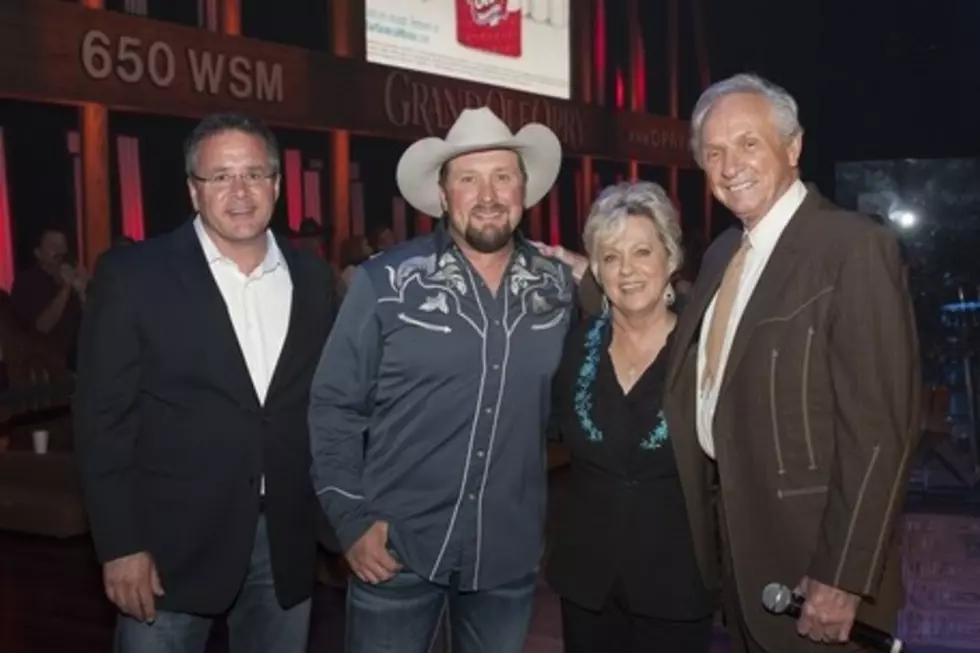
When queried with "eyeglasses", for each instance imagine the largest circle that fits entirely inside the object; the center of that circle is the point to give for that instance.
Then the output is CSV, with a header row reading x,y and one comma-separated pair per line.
x,y
225,180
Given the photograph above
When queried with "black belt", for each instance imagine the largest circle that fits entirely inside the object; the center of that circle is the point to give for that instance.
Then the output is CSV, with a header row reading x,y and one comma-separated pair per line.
x,y
261,503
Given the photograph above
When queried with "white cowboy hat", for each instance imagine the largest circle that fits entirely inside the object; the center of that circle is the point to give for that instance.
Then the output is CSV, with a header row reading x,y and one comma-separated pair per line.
x,y
477,130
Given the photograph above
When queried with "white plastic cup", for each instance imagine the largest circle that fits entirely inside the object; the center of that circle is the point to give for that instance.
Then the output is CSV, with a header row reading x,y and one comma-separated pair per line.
x,y
539,10
40,438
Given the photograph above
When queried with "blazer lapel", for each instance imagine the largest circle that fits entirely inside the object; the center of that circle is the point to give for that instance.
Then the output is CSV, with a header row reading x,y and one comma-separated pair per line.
x,y
291,357
704,291
773,280
207,306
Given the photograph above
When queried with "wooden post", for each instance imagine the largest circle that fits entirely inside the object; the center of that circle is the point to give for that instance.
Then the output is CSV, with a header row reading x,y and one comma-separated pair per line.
x,y
588,82
340,217
673,64
96,232
535,214
231,17
599,51
340,214
704,70
580,20
635,70
588,192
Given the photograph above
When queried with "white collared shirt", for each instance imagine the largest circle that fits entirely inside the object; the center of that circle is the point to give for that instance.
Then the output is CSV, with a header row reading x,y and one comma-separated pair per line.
x,y
258,305
762,239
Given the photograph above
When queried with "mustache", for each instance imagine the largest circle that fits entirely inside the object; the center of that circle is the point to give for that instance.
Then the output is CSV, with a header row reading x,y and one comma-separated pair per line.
x,y
484,209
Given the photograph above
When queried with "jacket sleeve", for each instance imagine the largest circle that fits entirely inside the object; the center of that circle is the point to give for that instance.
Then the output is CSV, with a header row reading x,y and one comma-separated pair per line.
x,y
341,401
874,370
590,294
105,415
562,389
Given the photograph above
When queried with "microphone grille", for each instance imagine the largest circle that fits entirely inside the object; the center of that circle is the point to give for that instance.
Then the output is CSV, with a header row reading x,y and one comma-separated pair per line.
x,y
776,598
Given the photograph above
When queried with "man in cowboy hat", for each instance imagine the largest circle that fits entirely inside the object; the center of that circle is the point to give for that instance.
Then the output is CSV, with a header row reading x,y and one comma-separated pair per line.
x,y
428,407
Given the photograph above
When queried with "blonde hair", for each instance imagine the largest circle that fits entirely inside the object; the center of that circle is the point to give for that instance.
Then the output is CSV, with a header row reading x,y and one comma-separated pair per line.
x,y
608,215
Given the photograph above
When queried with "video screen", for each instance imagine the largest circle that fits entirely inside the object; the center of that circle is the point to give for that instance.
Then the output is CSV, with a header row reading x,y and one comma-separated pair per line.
x,y
517,44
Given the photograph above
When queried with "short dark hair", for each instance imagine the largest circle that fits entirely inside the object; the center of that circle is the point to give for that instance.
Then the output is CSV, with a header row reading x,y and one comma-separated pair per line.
x,y
217,123
49,229
352,251
377,232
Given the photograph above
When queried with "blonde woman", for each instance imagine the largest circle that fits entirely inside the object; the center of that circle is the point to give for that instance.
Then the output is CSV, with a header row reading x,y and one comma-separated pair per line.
x,y
623,561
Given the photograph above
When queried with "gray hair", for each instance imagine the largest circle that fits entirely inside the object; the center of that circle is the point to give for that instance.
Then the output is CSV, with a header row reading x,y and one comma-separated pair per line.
x,y
785,113
608,215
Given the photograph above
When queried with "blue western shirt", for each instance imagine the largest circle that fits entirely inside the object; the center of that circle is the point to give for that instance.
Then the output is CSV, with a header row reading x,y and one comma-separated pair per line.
x,y
429,408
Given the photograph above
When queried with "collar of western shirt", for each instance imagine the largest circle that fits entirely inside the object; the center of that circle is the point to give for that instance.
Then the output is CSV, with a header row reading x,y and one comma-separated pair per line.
x,y
273,256
766,232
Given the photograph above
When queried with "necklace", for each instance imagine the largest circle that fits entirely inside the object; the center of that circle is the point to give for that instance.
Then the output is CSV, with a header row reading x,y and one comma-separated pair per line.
x,y
585,395
636,359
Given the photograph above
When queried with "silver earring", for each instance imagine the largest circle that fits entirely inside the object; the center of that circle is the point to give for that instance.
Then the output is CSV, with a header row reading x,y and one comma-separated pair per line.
x,y
669,295
605,305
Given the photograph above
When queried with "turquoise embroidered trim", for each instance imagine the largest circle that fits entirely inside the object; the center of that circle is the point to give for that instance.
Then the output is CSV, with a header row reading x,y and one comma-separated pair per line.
x,y
584,394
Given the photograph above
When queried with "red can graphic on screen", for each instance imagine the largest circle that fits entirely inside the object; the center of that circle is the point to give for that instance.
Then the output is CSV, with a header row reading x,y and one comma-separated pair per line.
x,y
489,25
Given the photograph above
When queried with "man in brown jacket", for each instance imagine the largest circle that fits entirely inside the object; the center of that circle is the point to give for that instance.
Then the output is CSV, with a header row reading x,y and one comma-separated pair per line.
x,y
793,389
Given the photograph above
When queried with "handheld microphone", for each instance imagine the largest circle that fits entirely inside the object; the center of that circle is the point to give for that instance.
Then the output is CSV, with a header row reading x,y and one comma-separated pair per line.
x,y
778,599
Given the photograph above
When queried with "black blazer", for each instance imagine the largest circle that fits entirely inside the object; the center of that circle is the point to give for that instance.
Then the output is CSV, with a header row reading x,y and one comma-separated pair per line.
x,y
169,433
621,530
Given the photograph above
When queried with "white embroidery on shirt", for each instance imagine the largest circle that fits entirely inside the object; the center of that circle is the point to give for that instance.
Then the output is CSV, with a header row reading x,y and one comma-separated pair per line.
x,y
534,280
441,328
444,276
539,304
531,283
436,303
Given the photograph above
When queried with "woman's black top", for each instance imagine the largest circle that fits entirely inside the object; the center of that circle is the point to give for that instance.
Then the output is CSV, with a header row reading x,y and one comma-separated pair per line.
x,y
623,521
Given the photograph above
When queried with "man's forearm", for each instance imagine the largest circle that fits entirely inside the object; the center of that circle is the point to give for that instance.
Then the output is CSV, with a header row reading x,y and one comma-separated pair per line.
x,y
590,294
50,316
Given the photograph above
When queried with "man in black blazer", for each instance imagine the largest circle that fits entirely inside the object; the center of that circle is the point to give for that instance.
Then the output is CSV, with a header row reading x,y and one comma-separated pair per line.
x,y
197,353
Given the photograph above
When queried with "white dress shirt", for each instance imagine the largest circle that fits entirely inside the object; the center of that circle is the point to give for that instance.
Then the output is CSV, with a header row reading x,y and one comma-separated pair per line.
x,y
258,305
762,240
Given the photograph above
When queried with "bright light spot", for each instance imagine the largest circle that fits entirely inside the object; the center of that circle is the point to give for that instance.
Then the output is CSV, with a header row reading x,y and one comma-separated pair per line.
x,y
904,219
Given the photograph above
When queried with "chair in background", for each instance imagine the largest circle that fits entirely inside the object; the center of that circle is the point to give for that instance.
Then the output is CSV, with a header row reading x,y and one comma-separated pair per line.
x,y
937,434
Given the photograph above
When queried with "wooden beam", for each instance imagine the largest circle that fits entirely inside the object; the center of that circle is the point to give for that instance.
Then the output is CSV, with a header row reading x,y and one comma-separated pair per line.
x,y
704,71
340,213
673,71
96,232
635,70
96,202
340,20
60,52
582,55
231,17
588,191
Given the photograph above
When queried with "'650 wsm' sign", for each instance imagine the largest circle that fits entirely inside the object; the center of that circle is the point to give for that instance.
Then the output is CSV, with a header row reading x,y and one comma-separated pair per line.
x,y
133,61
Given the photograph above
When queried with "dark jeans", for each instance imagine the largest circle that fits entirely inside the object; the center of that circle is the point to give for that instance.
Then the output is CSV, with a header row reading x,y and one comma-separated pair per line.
x,y
256,623
401,616
615,629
